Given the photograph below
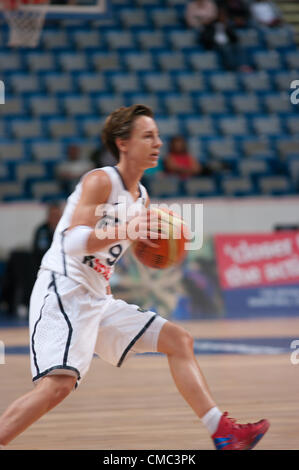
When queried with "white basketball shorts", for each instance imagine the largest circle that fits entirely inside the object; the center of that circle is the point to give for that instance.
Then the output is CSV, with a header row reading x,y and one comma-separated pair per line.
x,y
68,324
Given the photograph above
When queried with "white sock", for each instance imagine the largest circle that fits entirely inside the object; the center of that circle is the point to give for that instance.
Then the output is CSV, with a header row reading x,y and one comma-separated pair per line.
x,y
211,419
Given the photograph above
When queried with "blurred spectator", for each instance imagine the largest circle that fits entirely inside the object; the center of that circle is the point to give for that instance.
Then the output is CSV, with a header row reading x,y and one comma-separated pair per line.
x,y
101,157
22,267
200,12
178,161
265,13
237,11
70,171
222,37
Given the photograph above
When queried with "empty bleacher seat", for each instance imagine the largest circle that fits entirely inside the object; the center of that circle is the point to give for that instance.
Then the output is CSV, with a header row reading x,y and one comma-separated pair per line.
x,y
61,128
91,82
283,79
44,105
139,61
168,126
245,103
148,99
269,125
292,59
13,189
170,61
47,150
275,185
55,39
132,17
182,39
179,104
237,186
201,187
267,60
45,189
164,186
106,61
59,83
73,62
257,147
77,105
107,103
293,125
203,61
278,38
11,150
119,39
253,166
159,81
278,103
256,81
293,169
234,126
190,81
225,81
223,148
30,170
92,126
151,39
24,83
164,17
288,147
26,128
123,82
248,37
200,125
10,61
87,39
41,62
14,106
213,104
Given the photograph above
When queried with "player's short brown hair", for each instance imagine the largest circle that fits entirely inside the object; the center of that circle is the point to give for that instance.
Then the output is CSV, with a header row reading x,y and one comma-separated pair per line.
x,y
120,124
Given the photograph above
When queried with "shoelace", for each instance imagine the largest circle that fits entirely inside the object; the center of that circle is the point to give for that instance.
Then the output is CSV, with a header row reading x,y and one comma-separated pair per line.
x,y
234,423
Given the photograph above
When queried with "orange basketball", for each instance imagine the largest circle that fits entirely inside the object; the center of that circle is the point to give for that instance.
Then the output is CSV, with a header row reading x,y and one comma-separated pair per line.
x,y
170,250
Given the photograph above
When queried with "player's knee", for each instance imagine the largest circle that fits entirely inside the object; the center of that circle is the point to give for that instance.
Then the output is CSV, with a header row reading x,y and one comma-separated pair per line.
x,y
58,388
183,342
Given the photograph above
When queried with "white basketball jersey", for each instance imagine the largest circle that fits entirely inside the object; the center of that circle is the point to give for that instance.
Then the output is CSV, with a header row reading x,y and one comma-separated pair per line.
x,y
94,270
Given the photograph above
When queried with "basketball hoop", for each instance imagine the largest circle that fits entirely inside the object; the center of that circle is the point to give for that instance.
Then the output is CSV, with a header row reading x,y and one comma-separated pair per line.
x,y
25,19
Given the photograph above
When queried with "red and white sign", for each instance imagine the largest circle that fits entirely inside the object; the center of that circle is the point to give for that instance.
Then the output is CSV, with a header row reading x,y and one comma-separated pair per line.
x,y
252,260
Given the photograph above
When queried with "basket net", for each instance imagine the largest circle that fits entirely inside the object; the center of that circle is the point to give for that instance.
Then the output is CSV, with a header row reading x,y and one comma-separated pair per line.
x,y
25,19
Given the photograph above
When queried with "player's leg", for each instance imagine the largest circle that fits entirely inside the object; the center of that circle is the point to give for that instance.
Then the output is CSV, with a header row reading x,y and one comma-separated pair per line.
x,y
27,409
226,433
177,344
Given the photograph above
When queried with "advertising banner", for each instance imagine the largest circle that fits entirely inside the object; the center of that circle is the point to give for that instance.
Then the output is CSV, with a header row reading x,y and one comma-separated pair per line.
x,y
259,273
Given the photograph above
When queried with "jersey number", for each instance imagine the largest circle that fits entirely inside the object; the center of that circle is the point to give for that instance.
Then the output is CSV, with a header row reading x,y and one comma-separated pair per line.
x,y
115,251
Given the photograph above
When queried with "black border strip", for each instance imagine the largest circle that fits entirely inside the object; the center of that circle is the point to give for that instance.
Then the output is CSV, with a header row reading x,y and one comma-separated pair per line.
x,y
60,367
135,339
122,180
35,327
67,347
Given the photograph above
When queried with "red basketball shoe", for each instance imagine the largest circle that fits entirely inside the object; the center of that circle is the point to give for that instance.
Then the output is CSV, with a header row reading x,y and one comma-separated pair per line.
x,y
233,436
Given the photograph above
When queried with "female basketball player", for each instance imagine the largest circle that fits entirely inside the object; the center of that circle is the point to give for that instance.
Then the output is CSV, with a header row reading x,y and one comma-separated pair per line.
x,y
72,312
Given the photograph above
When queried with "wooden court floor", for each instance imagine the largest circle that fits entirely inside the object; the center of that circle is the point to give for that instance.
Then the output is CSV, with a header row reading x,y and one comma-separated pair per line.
x,y
138,406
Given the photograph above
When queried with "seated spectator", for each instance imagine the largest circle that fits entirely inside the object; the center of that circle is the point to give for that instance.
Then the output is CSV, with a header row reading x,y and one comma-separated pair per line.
x,y
22,267
200,12
265,13
178,161
222,37
237,11
70,171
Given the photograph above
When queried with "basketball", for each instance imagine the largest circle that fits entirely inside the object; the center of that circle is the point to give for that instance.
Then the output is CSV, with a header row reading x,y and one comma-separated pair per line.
x,y
169,251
